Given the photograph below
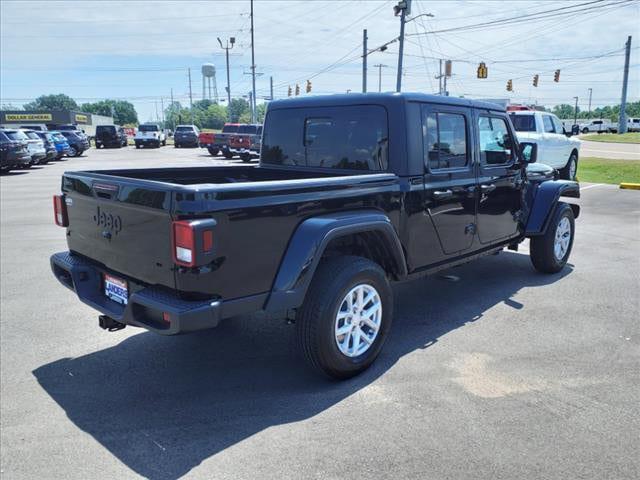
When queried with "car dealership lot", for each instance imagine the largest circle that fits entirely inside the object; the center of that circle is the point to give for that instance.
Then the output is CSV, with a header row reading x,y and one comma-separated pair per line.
x,y
491,370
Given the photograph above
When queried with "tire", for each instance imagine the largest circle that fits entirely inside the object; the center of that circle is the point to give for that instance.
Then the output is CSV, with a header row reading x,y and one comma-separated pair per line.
x,y
176,145
72,152
585,130
246,158
78,153
543,247
137,145
164,143
571,168
227,154
213,151
316,320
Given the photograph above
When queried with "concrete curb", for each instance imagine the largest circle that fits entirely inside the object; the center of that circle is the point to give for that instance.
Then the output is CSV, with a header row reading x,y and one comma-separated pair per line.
x,y
630,186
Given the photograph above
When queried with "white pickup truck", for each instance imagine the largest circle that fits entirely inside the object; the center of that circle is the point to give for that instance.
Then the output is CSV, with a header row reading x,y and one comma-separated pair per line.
x,y
599,126
150,134
555,148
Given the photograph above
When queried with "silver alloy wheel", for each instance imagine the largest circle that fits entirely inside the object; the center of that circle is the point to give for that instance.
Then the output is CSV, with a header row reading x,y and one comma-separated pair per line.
x,y
72,152
572,167
358,320
562,239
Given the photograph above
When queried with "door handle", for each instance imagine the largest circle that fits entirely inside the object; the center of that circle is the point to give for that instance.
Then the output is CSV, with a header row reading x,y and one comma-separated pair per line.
x,y
487,188
442,194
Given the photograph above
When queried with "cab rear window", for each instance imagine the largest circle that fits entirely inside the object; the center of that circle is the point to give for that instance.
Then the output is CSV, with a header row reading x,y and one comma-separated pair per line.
x,y
348,138
523,123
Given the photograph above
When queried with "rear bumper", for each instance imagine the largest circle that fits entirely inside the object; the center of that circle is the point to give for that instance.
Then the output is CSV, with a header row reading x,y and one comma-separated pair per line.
x,y
146,304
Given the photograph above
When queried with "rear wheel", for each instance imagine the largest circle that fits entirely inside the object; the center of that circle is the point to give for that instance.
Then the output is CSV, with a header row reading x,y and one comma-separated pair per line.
x,y
585,130
227,154
550,252
137,145
72,151
346,316
164,143
245,157
213,151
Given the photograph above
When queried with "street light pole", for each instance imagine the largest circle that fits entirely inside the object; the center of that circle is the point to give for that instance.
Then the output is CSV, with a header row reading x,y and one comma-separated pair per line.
x,y
379,66
590,93
401,49
575,112
226,48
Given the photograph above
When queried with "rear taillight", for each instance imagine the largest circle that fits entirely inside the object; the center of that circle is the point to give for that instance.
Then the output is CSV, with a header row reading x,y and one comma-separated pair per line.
x,y
193,242
184,245
60,211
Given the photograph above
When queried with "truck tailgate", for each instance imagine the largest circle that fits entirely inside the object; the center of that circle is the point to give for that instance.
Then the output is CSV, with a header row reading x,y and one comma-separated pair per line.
x,y
122,223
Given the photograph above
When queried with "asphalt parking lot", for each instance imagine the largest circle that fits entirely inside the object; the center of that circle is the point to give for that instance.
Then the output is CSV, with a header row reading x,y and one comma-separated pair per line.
x,y
491,370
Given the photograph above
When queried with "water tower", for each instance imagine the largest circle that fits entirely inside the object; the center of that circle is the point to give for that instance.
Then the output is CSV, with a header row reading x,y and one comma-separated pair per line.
x,y
209,77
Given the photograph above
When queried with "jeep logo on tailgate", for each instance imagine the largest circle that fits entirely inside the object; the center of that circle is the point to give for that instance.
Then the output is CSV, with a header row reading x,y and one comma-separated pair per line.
x,y
108,221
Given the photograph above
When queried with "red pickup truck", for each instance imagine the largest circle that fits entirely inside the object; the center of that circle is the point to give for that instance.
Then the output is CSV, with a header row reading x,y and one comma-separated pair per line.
x,y
246,143
216,142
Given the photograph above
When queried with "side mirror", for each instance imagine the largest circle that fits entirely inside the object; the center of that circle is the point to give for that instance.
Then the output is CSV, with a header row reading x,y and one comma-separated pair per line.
x,y
575,129
529,152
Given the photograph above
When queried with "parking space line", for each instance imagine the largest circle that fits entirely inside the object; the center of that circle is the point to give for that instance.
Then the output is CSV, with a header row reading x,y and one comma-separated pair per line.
x,y
591,186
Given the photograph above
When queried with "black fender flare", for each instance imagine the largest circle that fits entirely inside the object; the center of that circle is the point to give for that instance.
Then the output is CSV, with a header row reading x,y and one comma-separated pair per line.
x,y
309,242
544,203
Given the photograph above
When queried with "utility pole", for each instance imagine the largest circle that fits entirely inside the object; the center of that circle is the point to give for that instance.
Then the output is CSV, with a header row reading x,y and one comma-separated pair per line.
x,y
173,117
364,61
162,111
271,88
226,48
440,79
253,73
379,66
590,93
622,122
575,112
190,97
403,8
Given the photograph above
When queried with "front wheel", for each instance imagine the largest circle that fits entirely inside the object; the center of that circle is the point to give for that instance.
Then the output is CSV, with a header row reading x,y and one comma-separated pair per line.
x,y
550,252
571,168
72,152
346,316
585,130
213,151
245,157
164,143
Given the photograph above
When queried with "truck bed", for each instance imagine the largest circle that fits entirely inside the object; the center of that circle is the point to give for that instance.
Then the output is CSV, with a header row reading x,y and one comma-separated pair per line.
x,y
123,219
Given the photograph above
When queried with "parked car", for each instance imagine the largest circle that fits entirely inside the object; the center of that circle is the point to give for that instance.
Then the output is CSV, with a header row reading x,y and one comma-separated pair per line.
x,y
598,126
555,148
352,192
633,124
61,143
13,152
150,134
49,145
74,128
217,142
241,143
186,136
35,146
78,143
110,136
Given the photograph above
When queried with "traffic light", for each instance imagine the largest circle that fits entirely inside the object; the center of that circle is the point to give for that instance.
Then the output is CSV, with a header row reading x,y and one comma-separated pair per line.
x,y
509,85
308,86
536,77
556,76
289,91
482,70
297,89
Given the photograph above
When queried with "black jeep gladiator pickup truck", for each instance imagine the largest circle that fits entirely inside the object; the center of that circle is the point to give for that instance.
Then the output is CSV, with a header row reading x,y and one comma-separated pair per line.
x,y
352,192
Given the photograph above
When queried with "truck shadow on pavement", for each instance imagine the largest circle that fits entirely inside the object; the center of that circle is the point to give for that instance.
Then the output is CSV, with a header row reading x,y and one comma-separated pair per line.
x,y
163,405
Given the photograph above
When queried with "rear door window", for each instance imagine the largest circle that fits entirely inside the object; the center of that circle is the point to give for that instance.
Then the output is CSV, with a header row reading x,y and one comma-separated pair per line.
x,y
445,140
547,123
349,138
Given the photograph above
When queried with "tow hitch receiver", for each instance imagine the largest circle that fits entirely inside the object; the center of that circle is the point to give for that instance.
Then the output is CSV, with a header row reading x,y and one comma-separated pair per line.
x,y
108,323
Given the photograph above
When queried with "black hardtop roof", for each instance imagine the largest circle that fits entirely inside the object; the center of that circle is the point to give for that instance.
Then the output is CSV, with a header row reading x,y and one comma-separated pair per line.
x,y
380,99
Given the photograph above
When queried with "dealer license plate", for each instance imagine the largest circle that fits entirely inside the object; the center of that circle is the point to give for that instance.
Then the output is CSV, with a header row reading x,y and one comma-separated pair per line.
x,y
116,289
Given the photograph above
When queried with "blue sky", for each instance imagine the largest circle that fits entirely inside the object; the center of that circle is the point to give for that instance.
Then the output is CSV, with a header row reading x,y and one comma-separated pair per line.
x,y
141,50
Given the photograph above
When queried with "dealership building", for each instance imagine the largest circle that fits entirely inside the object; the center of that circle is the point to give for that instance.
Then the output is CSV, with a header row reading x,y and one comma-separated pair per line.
x,y
52,118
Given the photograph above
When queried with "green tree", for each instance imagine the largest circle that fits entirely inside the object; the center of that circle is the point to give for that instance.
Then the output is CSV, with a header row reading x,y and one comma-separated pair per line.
x,y
237,107
213,117
261,110
124,113
58,101
564,111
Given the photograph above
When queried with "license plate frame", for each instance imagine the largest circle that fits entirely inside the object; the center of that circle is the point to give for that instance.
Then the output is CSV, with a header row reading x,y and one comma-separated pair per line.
x,y
115,289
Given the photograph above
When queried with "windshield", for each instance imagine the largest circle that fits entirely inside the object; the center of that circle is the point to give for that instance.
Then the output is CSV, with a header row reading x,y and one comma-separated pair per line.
x,y
106,128
32,135
69,134
17,135
252,129
148,128
58,137
230,129
523,123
